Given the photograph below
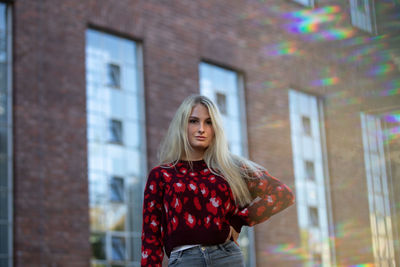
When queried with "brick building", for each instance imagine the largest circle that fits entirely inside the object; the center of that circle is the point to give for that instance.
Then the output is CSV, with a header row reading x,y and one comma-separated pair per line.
x,y
309,89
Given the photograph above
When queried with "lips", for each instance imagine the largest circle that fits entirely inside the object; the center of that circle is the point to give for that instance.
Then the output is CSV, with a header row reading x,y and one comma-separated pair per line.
x,y
200,138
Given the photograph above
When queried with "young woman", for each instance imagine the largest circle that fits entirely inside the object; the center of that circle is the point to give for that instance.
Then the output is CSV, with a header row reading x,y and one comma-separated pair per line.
x,y
199,197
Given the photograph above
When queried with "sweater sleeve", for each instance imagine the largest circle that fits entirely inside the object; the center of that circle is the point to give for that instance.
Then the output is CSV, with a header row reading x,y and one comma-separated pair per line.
x,y
269,195
152,231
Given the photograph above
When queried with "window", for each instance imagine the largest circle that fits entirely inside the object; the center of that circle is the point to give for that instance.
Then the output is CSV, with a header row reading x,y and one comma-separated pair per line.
x,y
363,15
116,148
309,3
221,102
379,195
113,75
224,87
306,125
6,125
116,131
311,179
310,173
117,189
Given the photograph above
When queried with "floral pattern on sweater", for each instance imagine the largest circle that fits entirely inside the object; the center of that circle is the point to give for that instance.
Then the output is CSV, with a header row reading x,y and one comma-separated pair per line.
x,y
188,204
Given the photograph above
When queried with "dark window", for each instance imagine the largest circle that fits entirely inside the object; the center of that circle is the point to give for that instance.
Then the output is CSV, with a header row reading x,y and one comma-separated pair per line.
x,y
313,216
114,75
117,189
310,170
221,102
116,131
306,122
361,5
98,243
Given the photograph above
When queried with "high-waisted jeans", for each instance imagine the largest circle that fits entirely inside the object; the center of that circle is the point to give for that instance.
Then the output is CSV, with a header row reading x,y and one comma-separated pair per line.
x,y
223,255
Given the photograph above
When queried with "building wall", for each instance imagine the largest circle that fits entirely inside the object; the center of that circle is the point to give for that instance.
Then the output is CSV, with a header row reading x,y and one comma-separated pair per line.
x,y
257,39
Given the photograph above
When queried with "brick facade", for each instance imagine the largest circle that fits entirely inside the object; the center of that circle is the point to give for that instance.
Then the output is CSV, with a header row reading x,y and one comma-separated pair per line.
x,y
50,167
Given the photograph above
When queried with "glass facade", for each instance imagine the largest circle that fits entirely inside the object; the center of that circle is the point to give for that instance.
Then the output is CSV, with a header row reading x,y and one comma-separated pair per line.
x,y
363,15
6,181
309,3
379,194
311,180
116,148
225,88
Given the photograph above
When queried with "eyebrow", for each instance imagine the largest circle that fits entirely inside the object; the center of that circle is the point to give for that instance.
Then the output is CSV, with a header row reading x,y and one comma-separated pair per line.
x,y
194,117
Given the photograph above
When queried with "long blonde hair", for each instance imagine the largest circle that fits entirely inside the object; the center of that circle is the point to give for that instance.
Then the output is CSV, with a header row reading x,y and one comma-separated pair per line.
x,y
217,156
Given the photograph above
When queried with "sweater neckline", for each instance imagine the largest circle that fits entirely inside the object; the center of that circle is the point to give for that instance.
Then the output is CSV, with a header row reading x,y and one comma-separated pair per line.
x,y
196,165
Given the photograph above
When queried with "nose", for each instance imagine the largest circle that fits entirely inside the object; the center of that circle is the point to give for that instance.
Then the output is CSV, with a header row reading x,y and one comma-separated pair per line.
x,y
201,128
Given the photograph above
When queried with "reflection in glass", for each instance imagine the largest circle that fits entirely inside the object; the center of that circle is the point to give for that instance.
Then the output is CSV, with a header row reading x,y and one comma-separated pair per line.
x,y
221,102
223,86
114,164
378,190
116,131
306,125
310,173
117,189
313,214
114,75
118,248
98,241
361,5
311,183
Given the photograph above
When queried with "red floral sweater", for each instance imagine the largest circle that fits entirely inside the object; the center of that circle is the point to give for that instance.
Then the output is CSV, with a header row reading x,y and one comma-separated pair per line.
x,y
186,205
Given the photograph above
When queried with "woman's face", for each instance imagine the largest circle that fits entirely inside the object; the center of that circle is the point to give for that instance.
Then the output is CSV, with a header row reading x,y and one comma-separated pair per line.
x,y
200,130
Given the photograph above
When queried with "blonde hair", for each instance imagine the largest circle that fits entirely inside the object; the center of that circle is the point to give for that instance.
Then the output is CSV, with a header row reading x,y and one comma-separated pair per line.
x,y
219,159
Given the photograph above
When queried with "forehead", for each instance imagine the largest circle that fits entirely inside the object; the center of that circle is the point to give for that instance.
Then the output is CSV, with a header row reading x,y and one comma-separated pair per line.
x,y
200,111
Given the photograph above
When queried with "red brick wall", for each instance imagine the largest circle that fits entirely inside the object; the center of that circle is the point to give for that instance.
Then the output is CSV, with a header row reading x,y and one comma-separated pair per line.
x,y
51,213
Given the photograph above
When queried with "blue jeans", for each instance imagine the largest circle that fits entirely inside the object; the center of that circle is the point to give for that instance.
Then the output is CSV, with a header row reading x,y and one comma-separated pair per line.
x,y
223,255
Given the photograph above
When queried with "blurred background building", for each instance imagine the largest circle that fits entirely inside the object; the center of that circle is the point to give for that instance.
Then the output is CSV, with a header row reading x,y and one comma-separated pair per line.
x,y
307,88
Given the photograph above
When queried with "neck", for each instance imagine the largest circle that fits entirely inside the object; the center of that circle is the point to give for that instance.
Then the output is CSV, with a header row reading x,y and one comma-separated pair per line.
x,y
194,156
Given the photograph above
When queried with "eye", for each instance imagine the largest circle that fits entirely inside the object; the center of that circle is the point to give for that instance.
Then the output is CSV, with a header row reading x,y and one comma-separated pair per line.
x,y
209,122
192,120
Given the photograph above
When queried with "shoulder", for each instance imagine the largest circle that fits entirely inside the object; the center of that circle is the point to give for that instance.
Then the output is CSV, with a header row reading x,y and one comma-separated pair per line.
x,y
161,171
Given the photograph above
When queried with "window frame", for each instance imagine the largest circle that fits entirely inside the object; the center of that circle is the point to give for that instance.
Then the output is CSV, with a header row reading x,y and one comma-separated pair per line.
x,y
8,222
133,179
243,132
358,17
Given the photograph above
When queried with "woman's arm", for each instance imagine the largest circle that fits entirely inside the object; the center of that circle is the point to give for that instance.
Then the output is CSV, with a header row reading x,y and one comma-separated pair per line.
x,y
269,195
152,233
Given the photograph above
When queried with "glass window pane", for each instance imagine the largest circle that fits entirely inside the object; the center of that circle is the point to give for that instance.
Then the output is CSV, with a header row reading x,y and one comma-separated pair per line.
x,y
306,122
118,249
3,171
113,115
221,103
4,239
313,215
3,108
3,204
310,170
116,217
3,140
114,75
98,242
115,131
117,189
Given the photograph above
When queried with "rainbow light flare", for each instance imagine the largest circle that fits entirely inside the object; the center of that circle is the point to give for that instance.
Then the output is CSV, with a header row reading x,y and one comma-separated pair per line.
x,y
284,48
290,251
391,88
363,265
381,69
391,134
392,118
326,81
310,22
